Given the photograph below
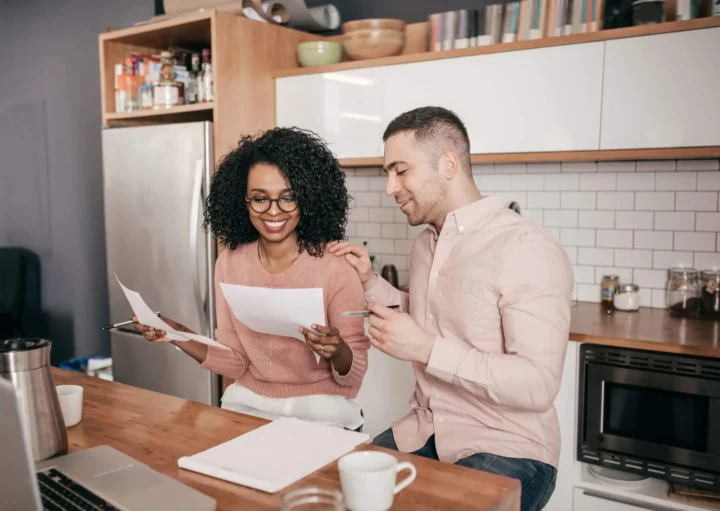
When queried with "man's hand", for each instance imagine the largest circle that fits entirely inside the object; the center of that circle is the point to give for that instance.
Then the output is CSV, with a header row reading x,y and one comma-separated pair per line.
x,y
398,335
358,257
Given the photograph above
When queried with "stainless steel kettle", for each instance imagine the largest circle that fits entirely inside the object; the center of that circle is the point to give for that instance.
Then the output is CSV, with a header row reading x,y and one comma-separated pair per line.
x,y
26,364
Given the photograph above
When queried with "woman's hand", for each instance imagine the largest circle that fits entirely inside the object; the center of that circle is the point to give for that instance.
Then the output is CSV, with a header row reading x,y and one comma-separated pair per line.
x,y
329,346
153,335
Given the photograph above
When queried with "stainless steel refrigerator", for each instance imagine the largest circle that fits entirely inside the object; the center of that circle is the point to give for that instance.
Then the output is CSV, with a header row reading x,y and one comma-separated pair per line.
x,y
155,182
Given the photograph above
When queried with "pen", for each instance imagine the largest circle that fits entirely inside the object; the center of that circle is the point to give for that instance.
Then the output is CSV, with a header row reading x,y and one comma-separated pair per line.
x,y
363,314
123,323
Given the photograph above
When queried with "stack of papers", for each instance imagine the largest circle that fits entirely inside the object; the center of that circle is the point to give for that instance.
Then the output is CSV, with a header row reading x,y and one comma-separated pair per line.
x,y
276,455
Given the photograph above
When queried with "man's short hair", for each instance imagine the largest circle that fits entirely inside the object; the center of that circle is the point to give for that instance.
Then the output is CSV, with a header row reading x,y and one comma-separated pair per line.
x,y
437,128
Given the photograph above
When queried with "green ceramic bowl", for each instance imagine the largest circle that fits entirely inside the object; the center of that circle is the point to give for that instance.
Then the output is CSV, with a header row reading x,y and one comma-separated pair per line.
x,y
319,53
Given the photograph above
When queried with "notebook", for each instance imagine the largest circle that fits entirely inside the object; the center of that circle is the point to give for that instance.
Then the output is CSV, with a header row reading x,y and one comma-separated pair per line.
x,y
272,457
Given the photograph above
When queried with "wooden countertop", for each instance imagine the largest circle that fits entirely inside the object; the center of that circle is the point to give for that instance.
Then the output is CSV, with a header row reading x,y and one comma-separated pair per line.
x,y
646,329
157,429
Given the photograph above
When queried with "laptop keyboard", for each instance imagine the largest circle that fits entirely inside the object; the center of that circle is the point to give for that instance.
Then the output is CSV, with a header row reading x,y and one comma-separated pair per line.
x,y
60,493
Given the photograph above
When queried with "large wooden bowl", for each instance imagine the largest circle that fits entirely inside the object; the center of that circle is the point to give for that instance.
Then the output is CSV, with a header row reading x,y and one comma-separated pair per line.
x,y
373,43
374,24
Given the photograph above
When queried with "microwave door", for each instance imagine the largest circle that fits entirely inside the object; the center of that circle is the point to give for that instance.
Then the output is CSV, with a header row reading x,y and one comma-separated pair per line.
x,y
653,415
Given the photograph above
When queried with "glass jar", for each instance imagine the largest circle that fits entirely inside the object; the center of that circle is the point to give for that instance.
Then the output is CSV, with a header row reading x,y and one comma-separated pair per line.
x,y
313,499
710,293
608,288
683,292
627,297
167,91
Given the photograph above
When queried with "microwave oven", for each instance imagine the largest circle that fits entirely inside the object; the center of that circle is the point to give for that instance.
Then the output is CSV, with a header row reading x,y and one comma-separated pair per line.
x,y
649,413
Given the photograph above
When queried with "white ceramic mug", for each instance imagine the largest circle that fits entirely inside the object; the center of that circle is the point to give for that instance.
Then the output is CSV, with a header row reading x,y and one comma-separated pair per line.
x,y
368,480
71,398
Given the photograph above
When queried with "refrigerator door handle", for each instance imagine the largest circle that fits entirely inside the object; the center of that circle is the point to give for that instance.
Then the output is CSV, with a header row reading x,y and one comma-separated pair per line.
x,y
194,214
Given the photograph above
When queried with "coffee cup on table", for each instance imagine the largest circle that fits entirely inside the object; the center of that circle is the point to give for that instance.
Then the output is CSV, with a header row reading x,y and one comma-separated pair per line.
x,y
71,398
368,480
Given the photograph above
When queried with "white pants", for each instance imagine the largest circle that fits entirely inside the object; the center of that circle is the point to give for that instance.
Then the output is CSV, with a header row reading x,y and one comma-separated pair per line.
x,y
332,410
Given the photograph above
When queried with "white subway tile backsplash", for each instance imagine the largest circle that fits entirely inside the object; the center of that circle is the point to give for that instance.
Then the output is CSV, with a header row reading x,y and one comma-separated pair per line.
x,y
635,181
655,201
493,182
616,166
543,168
359,214
377,246
676,181
625,274
577,237
377,184
562,182
708,181
560,218
579,167
597,219
708,222
615,200
599,181
536,215
659,240
387,201
659,298
528,182
579,200
646,297
368,230
519,197
382,215
350,230
663,260
699,165
695,241
652,279
400,217
572,253
696,201
510,168
483,168
394,231
415,230
554,233
596,256
543,200
584,274
675,221
400,262
404,247
633,258
634,220
369,199
656,166
368,171
589,293
707,260
612,238
356,184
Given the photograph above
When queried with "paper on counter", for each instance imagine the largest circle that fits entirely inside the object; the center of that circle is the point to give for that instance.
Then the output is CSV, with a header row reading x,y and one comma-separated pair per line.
x,y
276,311
147,317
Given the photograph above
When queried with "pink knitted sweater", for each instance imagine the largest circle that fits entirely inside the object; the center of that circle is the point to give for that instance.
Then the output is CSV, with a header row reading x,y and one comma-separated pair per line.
x,y
280,367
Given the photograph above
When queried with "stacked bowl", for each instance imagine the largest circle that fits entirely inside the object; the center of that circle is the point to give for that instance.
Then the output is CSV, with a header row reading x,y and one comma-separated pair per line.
x,y
373,38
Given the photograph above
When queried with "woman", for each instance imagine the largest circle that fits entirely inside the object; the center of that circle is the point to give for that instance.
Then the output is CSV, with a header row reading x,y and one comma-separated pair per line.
x,y
275,202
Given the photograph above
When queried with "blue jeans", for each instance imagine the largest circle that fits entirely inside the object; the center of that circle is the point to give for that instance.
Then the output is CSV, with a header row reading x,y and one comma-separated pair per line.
x,y
537,478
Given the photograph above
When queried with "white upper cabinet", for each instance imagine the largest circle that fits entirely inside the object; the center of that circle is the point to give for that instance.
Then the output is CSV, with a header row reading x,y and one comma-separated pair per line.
x,y
546,99
662,91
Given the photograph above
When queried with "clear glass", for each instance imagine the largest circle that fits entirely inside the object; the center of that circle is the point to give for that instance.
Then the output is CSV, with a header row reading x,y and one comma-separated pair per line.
x,y
313,499
710,293
683,292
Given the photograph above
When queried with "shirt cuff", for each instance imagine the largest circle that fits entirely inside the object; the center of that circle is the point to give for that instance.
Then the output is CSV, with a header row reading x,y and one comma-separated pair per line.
x,y
223,362
355,375
381,292
445,358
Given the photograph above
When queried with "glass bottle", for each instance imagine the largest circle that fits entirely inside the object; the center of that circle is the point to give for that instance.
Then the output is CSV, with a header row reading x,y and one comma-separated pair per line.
x,y
167,90
207,77
683,292
192,93
608,288
710,293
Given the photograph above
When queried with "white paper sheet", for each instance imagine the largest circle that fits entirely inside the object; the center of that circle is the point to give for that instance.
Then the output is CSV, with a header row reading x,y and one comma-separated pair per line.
x,y
276,455
276,311
147,317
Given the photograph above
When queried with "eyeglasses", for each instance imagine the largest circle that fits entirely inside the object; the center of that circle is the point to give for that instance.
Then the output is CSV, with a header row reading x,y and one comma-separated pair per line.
x,y
260,204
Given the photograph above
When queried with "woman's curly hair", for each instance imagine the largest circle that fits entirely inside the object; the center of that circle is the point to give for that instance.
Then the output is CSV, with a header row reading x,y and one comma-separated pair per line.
x,y
314,176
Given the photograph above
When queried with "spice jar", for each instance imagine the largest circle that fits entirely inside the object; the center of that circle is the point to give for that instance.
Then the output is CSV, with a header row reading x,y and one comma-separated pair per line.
x,y
627,297
167,91
710,293
607,291
683,292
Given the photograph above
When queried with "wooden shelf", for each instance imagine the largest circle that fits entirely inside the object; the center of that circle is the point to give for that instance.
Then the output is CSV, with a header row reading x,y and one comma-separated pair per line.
x,y
665,153
603,35
190,30
157,115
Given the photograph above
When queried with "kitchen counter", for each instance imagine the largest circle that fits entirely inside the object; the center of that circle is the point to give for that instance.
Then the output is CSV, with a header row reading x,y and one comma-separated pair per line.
x,y
646,329
157,429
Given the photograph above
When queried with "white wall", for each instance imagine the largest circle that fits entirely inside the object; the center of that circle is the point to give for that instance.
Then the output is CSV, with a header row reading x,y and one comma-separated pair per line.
x,y
634,219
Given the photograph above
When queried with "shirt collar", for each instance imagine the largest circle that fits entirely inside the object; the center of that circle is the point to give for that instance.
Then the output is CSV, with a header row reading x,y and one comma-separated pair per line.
x,y
463,219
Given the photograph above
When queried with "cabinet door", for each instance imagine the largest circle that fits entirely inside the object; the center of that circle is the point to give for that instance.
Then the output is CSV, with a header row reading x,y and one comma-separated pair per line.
x,y
545,99
662,91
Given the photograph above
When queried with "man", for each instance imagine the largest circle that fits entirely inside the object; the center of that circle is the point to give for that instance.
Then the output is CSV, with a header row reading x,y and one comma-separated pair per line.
x,y
486,322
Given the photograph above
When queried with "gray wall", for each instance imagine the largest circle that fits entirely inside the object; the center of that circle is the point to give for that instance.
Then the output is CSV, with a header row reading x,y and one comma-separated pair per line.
x,y
50,156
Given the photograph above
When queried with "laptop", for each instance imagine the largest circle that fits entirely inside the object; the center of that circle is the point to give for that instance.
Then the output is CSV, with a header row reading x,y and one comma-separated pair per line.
x,y
100,478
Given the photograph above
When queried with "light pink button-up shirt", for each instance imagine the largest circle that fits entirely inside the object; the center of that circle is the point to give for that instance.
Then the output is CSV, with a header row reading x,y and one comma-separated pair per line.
x,y
496,291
